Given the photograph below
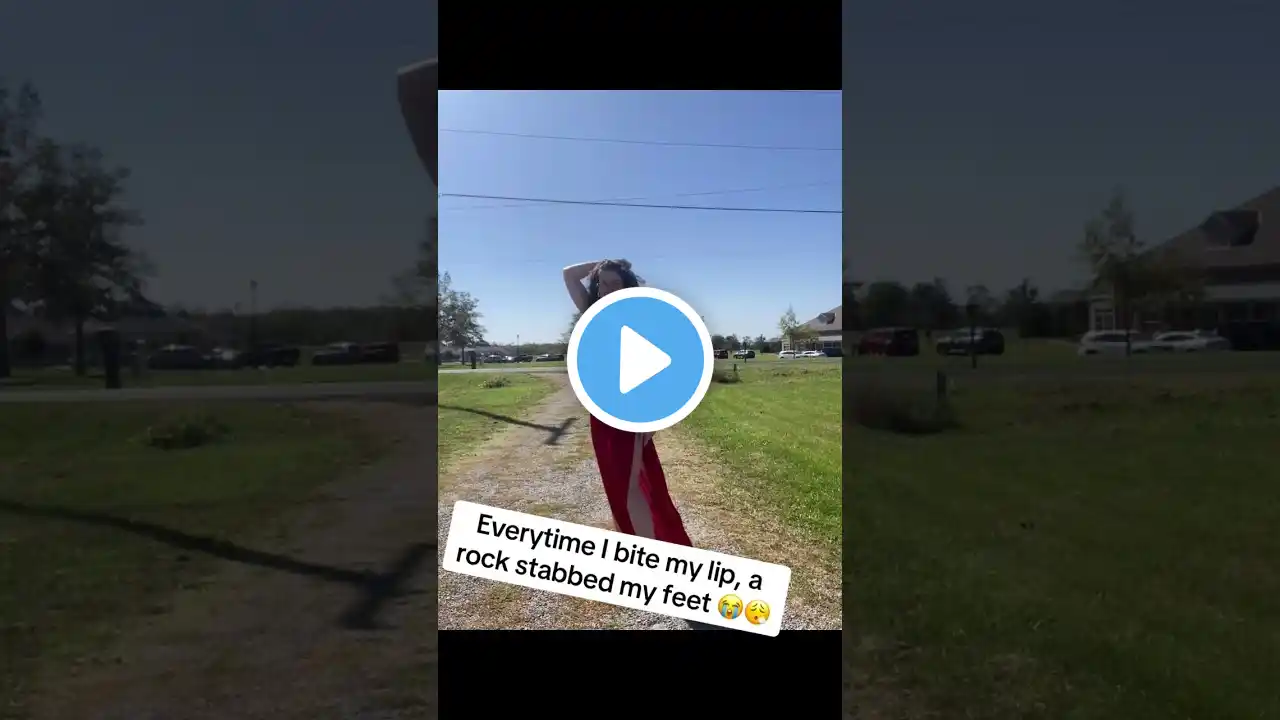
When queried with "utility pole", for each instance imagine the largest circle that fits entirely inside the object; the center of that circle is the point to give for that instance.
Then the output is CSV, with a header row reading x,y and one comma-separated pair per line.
x,y
517,346
253,314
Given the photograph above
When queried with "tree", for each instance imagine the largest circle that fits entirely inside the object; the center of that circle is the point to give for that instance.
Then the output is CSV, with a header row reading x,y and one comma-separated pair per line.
x,y
1023,309
1123,265
458,316
849,296
84,267
788,326
984,304
414,292
932,306
792,329
568,332
19,116
885,304
761,343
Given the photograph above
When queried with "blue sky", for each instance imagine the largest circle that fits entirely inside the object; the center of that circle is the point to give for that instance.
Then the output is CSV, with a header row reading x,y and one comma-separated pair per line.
x,y
740,270
981,136
265,138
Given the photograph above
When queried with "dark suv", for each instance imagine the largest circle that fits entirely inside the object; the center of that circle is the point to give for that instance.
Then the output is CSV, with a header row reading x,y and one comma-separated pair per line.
x,y
381,352
985,341
894,342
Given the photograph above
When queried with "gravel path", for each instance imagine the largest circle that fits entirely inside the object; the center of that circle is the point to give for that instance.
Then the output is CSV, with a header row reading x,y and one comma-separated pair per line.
x,y
522,470
335,618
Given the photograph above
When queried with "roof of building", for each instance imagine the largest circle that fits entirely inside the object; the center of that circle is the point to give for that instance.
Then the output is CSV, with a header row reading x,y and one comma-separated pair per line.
x,y
1243,236
831,321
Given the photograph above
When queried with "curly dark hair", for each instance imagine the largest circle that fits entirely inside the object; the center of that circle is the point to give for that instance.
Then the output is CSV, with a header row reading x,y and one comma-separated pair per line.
x,y
622,267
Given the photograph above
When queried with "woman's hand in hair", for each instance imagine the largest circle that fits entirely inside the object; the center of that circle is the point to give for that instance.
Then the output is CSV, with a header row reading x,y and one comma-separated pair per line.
x,y
573,277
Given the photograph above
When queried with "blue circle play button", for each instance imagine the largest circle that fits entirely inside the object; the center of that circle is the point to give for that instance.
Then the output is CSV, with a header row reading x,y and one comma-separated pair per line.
x,y
640,359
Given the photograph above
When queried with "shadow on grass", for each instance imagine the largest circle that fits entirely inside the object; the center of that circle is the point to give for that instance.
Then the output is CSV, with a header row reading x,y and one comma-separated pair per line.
x,y
554,432
377,587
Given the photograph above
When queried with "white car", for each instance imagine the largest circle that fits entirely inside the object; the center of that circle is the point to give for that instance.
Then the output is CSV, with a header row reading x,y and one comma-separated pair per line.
x,y
787,355
812,354
1112,342
1190,341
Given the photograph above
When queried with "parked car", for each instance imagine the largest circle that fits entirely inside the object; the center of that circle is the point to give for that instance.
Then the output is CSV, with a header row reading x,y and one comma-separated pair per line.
x,y
271,356
342,353
227,358
833,352
383,352
895,342
1112,342
179,357
812,354
1252,335
1186,341
744,354
985,341
787,355
524,358
548,357
722,354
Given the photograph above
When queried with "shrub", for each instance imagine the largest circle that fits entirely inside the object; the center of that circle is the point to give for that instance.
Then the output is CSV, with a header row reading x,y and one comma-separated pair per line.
x,y
495,381
727,377
899,411
186,433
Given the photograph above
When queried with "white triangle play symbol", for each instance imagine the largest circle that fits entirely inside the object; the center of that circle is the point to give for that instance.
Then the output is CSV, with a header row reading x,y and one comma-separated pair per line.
x,y
639,361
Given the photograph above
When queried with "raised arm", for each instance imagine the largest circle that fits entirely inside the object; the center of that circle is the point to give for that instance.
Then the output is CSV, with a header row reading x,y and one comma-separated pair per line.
x,y
573,277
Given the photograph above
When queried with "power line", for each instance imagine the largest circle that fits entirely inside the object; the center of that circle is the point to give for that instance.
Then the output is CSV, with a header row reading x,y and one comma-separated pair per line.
x,y
624,141
643,205
827,183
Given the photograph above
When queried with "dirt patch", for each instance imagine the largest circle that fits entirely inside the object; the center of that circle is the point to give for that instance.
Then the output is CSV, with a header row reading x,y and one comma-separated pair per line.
x,y
317,622
520,470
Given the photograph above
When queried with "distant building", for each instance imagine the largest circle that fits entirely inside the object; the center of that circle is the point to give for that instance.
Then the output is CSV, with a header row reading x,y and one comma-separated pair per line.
x,y
1236,252
824,332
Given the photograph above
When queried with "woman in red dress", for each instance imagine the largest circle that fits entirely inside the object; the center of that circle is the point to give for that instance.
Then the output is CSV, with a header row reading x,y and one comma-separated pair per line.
x,y
629,466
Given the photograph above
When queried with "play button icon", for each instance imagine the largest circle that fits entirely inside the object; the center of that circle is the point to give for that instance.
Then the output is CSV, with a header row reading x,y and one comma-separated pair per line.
x,y
640,359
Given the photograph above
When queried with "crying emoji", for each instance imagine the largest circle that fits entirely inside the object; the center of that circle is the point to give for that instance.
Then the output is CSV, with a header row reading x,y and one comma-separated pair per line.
x,y
730,607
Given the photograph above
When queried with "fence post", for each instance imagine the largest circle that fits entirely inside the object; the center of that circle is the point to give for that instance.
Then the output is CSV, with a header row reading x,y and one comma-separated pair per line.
x,y
109,343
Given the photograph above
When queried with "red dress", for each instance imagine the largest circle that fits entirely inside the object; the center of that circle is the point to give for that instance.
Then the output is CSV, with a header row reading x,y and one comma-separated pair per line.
x,y
637,496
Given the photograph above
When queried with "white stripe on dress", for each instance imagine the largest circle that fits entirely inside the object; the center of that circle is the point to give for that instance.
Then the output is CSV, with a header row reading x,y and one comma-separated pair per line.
x,y
637,505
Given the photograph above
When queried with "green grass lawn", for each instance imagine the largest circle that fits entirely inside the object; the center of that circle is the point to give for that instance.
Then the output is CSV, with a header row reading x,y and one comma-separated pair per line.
x,y
84,496
472,407
1075,549
777,432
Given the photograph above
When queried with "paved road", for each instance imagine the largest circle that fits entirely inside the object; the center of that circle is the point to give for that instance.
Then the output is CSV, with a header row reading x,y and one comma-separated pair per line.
x,y
425,389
